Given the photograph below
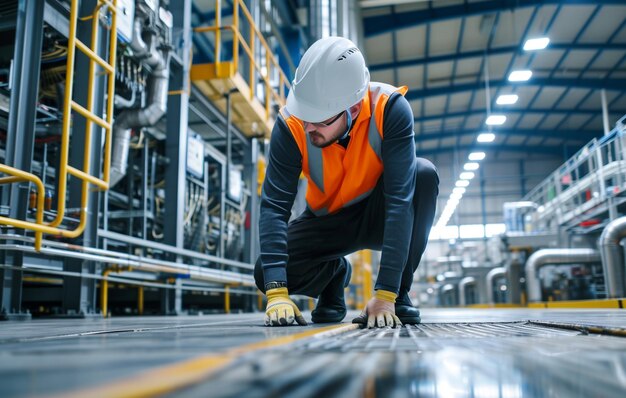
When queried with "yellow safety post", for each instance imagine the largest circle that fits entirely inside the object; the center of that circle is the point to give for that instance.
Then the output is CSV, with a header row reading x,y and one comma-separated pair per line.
x,y
236,36
104,288
104,293
260,301
367,276
227,299
140,300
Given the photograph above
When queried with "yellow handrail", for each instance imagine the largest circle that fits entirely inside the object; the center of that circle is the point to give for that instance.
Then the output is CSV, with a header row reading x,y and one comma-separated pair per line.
x,y
64,168
70,105
19,175
249,47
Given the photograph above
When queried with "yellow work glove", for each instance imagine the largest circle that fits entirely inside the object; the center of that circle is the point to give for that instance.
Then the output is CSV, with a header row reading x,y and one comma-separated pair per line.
x,y
380,311
280,310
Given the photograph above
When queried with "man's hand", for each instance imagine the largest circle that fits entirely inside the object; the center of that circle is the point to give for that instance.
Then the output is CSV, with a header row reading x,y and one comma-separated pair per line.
x,y
380,311
280,310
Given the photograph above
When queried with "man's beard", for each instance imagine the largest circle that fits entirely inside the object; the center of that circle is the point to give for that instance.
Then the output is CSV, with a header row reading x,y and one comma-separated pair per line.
x,y
330,141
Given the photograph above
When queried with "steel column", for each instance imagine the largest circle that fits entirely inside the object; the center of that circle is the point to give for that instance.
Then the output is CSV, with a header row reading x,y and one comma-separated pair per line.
x,y
251,237
20,139
176,142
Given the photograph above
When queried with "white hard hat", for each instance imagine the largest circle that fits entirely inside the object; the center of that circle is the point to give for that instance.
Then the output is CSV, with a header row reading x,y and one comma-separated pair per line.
x,y
331,77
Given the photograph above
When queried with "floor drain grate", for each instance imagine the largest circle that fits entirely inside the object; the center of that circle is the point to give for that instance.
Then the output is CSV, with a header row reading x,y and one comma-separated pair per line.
x,y
432,335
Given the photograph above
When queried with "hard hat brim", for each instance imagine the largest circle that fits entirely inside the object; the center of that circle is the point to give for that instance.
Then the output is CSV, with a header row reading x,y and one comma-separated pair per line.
x,y
305,112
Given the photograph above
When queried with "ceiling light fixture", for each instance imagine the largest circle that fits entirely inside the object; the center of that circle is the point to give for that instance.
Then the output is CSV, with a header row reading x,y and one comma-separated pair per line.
x,y
470,166
456,196
507,99
476,156
466,175
486,137
536,44
462,183
520,75
496,120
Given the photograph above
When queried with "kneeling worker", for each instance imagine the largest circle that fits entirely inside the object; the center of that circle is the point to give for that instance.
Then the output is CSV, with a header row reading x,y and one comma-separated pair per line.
x,y
353,139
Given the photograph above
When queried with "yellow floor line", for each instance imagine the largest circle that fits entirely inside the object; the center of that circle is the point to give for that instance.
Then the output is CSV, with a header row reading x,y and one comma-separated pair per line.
x,y
169,378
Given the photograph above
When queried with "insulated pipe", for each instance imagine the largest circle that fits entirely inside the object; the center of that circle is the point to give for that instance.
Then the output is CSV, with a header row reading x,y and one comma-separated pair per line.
x,y
140,48
144,263
491,276
468,280
553,256
133,118
613,256
446,289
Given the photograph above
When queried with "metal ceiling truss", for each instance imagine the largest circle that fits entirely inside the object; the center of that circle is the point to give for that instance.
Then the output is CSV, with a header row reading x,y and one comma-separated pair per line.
x,y
574,135
457,56
395,21
380,24
568,150
608,84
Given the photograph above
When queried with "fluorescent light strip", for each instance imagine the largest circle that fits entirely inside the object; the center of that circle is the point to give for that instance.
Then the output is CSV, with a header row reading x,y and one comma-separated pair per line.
x,y
507,99
470,166
520,75
486,137
476,156
495,120
538,43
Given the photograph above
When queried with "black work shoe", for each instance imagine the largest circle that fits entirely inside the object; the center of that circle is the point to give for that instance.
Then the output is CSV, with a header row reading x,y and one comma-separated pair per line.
x,y
331,306
408,314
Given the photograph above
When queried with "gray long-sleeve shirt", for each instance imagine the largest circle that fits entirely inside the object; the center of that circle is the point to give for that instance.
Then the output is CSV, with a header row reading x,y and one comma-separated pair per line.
x,y
280,188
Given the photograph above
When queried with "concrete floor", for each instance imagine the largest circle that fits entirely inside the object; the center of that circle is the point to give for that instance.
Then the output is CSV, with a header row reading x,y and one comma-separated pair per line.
x,y
454,353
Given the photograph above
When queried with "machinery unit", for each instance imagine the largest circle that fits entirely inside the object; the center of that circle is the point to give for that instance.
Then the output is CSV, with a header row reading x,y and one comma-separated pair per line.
x,y
139,192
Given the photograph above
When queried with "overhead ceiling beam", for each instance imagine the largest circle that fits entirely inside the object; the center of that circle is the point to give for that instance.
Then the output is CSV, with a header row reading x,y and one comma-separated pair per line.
x,y
515,111
608,84
557,150
380,24
585,135
494,51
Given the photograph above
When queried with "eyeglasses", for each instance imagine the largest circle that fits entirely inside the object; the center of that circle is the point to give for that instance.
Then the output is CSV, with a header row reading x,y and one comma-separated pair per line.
x,y
328,123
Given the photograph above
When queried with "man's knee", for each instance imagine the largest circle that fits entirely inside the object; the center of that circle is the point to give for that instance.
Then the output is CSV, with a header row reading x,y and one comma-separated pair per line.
x,y
427,175
258,275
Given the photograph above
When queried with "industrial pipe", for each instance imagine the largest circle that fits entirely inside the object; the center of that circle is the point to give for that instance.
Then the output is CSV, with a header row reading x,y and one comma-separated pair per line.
x,y
612,255
143,117
447,290
468,280
491,276
143,263
156,107
553,256
132,241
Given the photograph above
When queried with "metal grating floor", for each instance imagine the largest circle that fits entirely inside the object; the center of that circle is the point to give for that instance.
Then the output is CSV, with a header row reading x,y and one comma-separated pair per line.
x,y
457,353
512,359
430,335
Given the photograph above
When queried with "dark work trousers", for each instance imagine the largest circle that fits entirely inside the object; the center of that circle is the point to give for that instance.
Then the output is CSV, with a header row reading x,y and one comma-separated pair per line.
x,y
316,244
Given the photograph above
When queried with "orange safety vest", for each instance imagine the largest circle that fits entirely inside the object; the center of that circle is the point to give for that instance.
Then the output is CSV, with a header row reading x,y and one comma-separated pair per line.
x,y
339,177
